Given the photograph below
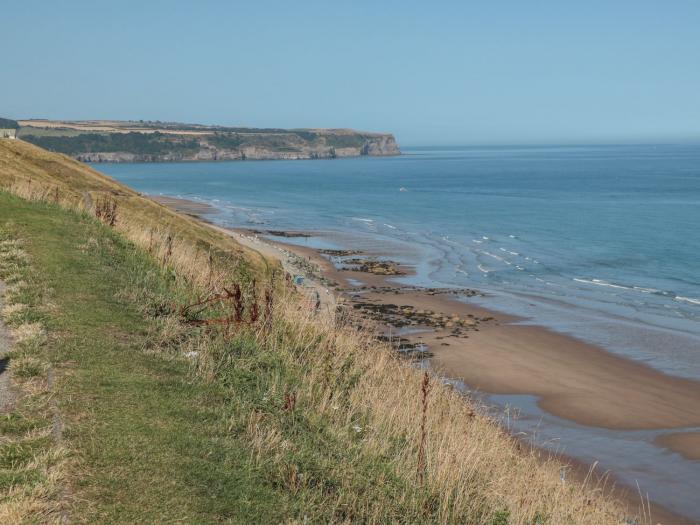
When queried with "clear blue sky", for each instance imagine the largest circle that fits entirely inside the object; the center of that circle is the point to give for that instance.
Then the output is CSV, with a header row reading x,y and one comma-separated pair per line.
x,y
431,72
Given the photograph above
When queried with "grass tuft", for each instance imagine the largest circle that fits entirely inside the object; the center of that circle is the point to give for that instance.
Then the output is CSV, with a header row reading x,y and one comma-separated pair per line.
x,y
27,367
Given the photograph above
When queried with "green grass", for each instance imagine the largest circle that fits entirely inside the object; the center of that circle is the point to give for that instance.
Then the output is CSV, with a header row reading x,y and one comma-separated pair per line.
x,y
150,440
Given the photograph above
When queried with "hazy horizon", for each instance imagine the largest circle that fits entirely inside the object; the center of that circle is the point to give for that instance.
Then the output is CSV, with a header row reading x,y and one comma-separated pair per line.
x,y
506,74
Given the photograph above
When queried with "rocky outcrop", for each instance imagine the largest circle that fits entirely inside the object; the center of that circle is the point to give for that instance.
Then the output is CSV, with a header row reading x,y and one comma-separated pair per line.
x,y
383,145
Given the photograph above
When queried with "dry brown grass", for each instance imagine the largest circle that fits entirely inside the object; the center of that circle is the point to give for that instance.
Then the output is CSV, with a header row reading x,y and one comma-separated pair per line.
x,y
471,469
37,503
181,242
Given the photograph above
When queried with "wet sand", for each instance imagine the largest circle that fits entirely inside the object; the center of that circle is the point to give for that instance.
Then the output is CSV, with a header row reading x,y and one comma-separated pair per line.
x,y
687,444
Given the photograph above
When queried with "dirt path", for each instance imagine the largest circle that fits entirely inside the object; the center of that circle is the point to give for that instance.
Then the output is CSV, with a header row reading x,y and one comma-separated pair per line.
x,y
5,392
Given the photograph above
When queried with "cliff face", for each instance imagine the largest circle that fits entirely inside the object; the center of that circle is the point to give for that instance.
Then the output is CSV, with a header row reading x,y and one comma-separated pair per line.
x,y
137,142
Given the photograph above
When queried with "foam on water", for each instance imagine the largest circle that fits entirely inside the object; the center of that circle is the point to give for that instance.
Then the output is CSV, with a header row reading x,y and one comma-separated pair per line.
x,y
688,300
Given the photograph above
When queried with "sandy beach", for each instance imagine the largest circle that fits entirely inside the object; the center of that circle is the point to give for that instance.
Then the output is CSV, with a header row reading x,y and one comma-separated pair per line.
x,y
687,444
573,379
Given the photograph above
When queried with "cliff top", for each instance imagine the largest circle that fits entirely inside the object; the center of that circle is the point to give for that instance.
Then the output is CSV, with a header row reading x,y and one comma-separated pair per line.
x,y
149,141
178,128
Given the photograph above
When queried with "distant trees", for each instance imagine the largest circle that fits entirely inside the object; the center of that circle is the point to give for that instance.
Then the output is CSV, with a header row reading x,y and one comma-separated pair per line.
x,y
226,140
138,143
157,143
6,123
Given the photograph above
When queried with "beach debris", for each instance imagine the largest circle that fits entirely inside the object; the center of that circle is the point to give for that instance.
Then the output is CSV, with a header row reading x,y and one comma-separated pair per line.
x,y
400,316
406,348
281,233
372,266
339,253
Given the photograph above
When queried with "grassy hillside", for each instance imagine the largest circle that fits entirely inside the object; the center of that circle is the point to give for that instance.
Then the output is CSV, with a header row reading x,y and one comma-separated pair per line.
x,y
183,242
141,439
247,408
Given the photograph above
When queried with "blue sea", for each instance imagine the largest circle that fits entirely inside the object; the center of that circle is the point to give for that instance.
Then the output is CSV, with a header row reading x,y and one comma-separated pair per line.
x,y
599,242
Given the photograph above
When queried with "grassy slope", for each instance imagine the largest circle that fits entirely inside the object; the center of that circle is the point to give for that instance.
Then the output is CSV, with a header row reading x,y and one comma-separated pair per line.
x,y
35,173
150,437
149,440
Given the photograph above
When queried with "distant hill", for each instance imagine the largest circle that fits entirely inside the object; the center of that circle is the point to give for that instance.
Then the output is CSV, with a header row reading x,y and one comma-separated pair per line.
x,y
147,141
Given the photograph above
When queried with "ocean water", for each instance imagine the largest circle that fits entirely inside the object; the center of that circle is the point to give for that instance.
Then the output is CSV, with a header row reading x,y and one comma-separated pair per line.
x,y
599,242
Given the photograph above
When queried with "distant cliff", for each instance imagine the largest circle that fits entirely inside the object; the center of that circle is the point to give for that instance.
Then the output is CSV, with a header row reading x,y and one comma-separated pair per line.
x,y
127,141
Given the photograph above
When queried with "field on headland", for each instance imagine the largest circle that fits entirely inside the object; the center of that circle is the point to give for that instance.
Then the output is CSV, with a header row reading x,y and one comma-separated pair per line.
x,y
145,141
248,405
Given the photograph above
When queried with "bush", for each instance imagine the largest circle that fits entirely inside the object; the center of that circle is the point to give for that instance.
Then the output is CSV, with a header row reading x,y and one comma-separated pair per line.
x,y
8,123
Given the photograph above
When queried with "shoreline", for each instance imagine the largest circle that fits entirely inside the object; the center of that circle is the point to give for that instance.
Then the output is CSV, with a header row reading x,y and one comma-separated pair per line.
x,y
539,338
491,353
687,444
499,356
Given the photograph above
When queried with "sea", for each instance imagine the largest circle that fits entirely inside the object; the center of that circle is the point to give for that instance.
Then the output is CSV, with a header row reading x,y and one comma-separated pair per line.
x,y
601,242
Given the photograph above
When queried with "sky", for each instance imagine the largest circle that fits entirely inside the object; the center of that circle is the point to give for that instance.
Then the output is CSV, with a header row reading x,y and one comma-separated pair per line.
x,y
432,73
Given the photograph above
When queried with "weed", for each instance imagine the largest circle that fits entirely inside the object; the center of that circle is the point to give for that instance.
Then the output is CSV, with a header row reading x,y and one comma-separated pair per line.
x,y
105,210
425,389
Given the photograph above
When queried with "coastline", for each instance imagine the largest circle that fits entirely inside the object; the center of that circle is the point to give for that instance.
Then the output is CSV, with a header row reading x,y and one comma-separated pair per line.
x,y
493,354
574,380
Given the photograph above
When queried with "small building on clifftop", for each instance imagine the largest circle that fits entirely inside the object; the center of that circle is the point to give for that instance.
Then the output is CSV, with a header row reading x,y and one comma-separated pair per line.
x,y
8,128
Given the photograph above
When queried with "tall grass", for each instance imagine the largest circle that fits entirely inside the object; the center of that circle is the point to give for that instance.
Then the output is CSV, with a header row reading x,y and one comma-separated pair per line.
x,y
457,463
469,470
